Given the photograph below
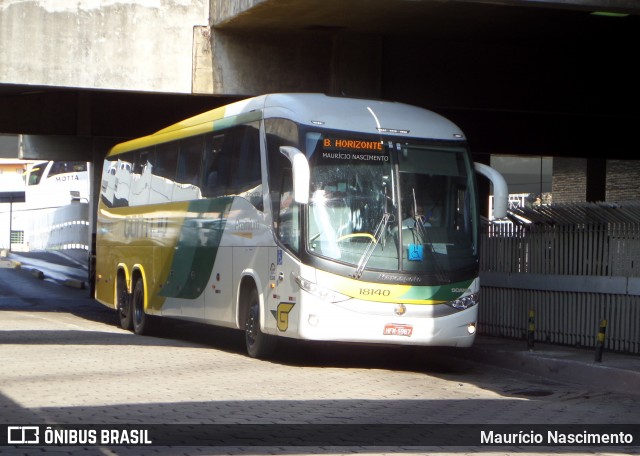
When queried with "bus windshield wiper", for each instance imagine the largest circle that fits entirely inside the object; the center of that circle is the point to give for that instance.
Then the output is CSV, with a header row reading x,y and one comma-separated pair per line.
x,y
371,246
424,237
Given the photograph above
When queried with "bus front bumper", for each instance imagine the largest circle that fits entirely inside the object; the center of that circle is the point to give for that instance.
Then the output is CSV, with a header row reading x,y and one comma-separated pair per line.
x,y
380,323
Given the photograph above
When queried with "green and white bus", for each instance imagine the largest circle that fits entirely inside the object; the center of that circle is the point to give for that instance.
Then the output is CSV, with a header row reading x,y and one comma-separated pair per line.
x,y
296,215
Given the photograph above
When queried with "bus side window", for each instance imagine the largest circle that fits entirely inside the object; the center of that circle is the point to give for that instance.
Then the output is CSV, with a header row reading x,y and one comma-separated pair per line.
x,y
190,161
166,161
246,176
138,194
123,180
213,173
286,213
57,168
35,175
142,158
164,173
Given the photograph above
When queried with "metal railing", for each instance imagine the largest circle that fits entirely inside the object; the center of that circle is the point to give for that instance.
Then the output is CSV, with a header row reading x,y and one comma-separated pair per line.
x,y
573,266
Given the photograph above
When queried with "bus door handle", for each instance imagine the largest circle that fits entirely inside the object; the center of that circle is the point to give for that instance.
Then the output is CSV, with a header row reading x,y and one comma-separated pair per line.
x,y
280,276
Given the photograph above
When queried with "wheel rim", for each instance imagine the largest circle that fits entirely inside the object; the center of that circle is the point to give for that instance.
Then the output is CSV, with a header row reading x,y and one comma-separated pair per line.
x,y
122,303
252,327
137,308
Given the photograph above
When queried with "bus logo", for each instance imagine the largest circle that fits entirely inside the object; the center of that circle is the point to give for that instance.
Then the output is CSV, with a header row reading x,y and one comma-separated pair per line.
x,y
282,315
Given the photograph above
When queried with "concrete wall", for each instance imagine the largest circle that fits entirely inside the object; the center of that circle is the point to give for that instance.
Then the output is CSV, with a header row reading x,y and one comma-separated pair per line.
x,y
569,180
139,45
622,180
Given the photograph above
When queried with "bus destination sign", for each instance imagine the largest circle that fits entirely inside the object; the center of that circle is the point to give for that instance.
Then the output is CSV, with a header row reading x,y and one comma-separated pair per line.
x,y
352,144
354,149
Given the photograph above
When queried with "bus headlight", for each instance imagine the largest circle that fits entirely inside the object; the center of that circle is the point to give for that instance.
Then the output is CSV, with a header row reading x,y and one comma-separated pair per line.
x,y
319,291
465,302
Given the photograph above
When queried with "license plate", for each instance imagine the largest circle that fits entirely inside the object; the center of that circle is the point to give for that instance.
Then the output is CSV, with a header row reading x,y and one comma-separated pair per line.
x,y
395,329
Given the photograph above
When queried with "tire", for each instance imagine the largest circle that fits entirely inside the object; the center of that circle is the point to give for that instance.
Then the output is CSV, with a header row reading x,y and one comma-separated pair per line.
x,y
259,344
123,304
141,321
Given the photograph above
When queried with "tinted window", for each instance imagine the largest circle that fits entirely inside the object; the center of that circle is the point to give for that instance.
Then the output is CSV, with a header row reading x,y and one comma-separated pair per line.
x,y
286,213
190,161
232,164
166,160
215,174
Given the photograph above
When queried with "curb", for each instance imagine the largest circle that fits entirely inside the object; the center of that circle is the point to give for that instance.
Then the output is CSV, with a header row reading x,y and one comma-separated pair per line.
x,y
73,283
10,264
591,374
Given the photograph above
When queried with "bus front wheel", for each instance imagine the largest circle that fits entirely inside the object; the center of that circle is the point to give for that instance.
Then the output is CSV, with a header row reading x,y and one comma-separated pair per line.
x,y
259,344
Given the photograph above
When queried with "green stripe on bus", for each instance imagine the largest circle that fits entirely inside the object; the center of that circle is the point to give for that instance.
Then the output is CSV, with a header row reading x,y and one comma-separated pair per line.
x,y
197,247
438,292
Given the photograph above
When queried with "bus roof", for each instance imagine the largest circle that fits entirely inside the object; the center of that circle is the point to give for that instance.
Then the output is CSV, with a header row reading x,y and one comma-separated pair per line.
x,y
361,115
339,113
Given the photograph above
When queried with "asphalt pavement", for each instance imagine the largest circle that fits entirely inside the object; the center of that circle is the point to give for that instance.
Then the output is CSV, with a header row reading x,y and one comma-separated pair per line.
x,y
614,372
68,267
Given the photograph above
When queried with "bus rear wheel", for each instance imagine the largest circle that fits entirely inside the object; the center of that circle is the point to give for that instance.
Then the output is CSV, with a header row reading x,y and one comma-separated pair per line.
x,y
141,321
259,344
123,304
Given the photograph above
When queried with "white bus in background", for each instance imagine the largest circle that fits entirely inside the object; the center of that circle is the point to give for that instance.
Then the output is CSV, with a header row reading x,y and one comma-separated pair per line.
x,y
55,214
57,183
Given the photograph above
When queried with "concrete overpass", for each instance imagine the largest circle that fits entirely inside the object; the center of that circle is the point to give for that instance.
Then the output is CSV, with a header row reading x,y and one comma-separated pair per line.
x,y
542,77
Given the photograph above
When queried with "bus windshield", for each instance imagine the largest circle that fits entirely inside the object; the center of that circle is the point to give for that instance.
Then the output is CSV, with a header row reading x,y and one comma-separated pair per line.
x,y
397,205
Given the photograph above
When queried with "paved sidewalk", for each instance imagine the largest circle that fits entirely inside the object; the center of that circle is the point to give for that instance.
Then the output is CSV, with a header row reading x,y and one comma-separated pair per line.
x,y
615,373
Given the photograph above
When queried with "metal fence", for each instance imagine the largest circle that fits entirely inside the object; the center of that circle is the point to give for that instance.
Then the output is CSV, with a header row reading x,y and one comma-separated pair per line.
x,y
573,265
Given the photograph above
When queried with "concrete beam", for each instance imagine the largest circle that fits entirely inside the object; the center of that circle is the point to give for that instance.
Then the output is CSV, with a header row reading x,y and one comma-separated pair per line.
x,y
613,6
565,283
44,147
310,61
48,147
376,15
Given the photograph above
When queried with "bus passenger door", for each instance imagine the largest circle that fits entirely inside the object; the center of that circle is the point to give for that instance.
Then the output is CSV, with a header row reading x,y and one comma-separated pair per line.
x,y
284,294
282,310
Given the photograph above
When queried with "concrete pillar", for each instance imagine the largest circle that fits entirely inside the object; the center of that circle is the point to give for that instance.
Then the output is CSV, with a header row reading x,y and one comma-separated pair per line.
x,y
9,145
596,180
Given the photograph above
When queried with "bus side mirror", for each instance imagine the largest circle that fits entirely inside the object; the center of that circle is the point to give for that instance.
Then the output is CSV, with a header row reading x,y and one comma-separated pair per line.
x,y
301,174
500,191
